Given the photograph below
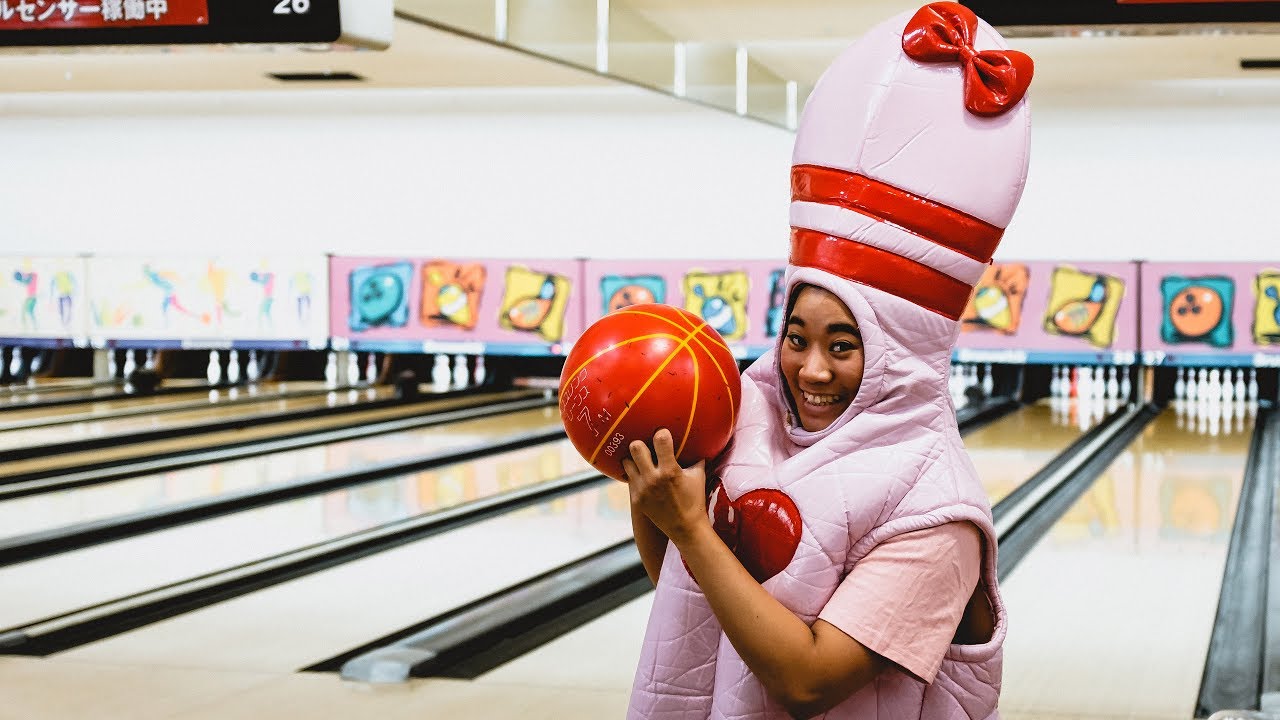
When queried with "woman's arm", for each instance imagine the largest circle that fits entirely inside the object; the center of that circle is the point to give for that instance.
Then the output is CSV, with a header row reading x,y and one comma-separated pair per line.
x,y
650,541
807,670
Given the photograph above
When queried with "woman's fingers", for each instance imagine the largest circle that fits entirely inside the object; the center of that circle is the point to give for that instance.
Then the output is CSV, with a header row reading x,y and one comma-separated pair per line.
x,y
641,457
629,468
665,448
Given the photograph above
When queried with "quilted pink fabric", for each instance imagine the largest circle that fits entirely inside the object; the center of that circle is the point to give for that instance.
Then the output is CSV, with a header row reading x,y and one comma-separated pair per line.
x,y
894,462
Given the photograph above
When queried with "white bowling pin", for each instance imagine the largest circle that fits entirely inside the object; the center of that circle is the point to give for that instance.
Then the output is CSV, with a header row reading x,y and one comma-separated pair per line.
x,y
1126,386
440,373
15,363
233,367
149,362
214,370
251,370
1113,384
353,368
371,368
971,379
1239,388
37,362
1180,385
988,381
331,368
130,362
1197,391
1252,387
461,371
1215,385
480,372
1228,386
1055,382
111,363
1084,383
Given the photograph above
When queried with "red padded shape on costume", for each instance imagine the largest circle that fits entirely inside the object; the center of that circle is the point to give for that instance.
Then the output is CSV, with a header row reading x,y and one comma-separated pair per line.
x,y
762,528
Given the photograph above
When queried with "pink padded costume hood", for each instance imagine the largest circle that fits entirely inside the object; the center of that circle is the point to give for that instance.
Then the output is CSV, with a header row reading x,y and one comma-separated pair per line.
x,y
909,162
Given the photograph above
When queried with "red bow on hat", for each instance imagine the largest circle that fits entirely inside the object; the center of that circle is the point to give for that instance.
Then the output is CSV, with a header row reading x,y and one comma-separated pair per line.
x,y
994,80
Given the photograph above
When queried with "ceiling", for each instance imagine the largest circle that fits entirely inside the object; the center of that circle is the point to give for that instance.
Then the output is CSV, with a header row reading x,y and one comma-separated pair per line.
x,y
794,39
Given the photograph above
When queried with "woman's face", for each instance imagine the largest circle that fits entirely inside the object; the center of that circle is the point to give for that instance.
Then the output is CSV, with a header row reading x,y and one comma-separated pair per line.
x,y
821,357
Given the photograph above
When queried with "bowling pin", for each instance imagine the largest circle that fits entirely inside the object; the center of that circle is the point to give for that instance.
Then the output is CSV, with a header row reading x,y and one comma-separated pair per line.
x,y
1180,385
988,381
1239,389
37,362
233,367
972,379
440,373
149,362
1252,388
111,363
1126,386
353,368
251,370
214,371
1113,385
461,371
1084,385
1228,385
15,363
371,368
480,372
1055,382
331,368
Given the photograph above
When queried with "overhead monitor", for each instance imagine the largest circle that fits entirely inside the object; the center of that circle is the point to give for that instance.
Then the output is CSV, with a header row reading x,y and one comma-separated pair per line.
x,y
41,23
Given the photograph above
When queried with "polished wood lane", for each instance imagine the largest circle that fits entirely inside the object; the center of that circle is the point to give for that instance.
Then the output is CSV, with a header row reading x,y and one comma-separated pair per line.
x,y
1111,614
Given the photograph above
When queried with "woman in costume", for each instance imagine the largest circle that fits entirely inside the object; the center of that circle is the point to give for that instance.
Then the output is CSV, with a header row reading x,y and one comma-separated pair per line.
x,y
845,562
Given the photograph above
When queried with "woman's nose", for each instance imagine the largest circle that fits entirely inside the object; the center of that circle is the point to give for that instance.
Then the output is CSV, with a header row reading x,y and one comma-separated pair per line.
x,y
815,370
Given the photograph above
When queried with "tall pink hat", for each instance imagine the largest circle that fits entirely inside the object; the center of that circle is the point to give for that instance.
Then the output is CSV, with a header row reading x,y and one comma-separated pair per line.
x,y
911,157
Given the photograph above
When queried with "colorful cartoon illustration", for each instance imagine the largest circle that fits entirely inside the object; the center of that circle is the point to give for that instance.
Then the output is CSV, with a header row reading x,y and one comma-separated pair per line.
x,y
28,280
621,291
451,293
267,280
1084,305
380,296
167,282
996,303
535,302
300,285
773,320
215,281
1266,310
63,291
720,299
1197,310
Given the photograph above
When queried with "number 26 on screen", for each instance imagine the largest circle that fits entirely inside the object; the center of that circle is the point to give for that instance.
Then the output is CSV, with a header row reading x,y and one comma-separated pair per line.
x,y
292,7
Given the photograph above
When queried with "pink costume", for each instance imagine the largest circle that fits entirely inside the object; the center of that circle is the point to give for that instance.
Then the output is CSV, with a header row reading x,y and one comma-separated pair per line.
x,y
909,162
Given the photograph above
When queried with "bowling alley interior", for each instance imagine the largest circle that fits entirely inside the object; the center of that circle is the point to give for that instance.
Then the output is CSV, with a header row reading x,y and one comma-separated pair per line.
x,y
326,326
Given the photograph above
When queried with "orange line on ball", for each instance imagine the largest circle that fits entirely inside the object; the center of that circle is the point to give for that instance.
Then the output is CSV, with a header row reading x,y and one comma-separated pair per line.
x,y
693,410
609,433
715,340
733,415
615,347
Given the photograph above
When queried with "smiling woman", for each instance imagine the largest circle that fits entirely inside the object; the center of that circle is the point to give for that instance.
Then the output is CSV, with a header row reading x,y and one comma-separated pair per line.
x,y
821,357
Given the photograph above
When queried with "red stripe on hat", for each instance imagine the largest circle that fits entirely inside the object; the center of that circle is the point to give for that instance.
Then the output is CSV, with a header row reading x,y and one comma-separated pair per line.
x,y
932,221
880,269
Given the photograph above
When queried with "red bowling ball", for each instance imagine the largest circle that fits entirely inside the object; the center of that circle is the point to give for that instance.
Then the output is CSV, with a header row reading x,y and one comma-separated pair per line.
x,y
643,368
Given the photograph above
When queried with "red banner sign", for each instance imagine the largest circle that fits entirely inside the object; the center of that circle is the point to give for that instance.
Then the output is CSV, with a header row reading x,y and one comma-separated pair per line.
x,y
81,14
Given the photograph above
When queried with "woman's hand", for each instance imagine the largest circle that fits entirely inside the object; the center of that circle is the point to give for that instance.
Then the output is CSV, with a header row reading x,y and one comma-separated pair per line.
x,y
674,498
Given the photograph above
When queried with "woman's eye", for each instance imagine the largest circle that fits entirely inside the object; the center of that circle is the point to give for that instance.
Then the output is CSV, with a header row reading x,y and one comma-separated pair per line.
x,y
843,346
795,340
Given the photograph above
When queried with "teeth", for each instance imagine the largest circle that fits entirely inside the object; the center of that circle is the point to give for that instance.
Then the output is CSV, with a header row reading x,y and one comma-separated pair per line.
x,y
819,399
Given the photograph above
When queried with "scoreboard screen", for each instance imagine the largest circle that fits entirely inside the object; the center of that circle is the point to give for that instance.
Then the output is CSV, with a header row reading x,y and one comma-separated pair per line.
x,y
41,23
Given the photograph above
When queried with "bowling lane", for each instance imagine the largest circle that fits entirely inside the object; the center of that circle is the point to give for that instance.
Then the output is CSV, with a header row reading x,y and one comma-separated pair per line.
x,y
66,582
118,426
116,407
1015,447
304,621
76,505
206,440
87,392
1111,613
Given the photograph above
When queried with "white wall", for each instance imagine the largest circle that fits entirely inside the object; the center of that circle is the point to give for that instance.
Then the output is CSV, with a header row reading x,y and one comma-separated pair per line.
x,y
1181,172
